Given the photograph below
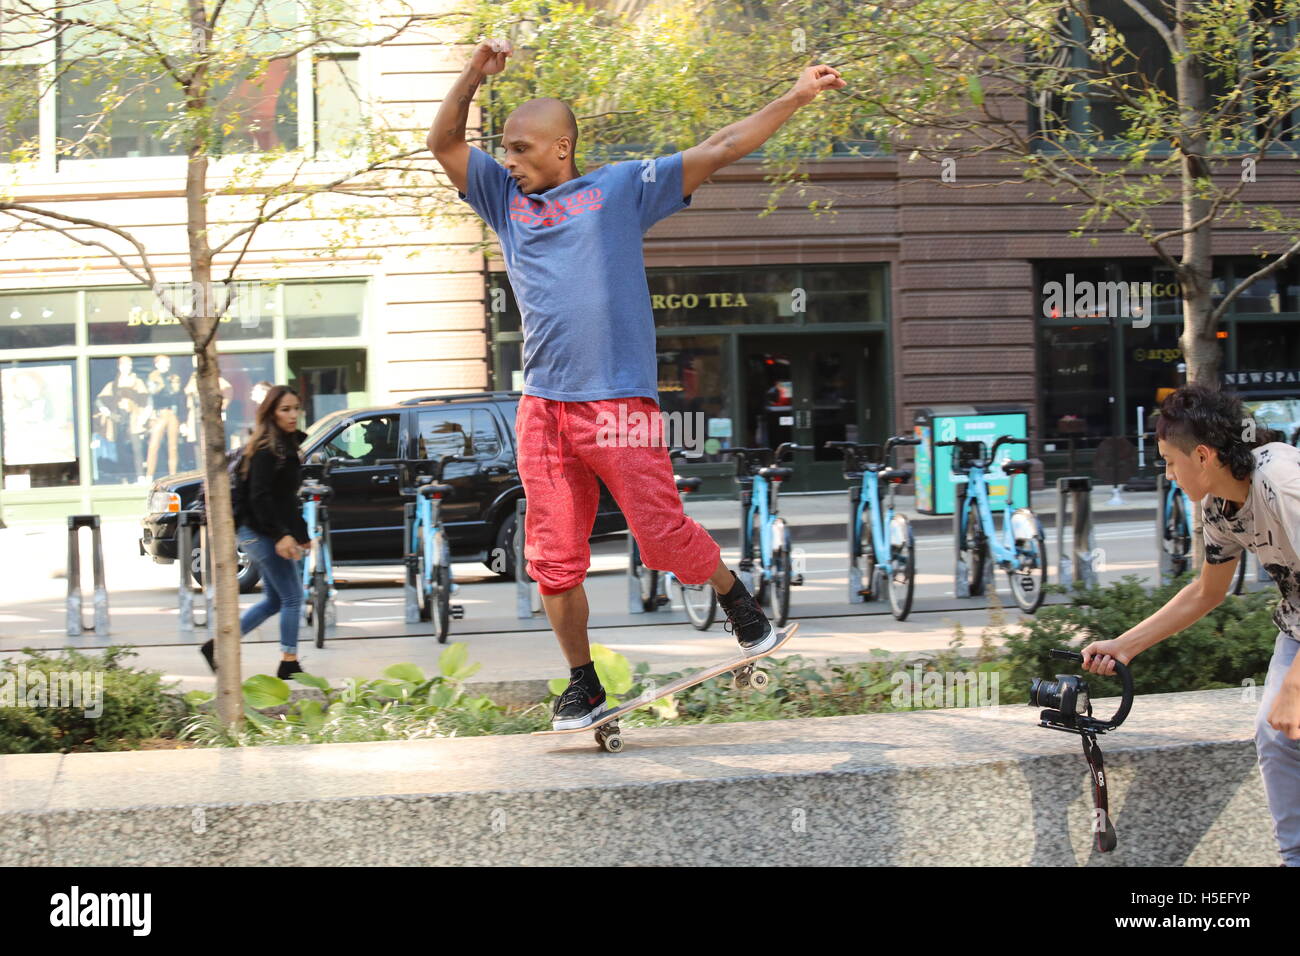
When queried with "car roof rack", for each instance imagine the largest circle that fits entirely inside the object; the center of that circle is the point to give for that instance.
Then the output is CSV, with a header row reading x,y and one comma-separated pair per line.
x,y
448,398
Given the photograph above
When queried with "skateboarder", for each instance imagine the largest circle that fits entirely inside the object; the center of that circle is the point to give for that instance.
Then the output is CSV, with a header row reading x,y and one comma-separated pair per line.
x,y
1250,499
572,247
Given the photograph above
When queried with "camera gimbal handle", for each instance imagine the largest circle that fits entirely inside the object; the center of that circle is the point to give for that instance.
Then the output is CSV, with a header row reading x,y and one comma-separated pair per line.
x,y
1126,702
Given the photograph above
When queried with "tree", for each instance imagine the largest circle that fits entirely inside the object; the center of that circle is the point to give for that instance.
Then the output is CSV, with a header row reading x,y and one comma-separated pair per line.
x,y
206,74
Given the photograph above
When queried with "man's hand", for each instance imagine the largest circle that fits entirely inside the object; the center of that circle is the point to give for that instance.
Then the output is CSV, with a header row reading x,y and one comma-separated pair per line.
x,y
1099,657
489,57
1285,715
813,81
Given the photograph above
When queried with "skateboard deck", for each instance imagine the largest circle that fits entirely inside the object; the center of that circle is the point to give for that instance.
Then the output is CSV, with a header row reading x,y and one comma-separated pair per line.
x,y
606,728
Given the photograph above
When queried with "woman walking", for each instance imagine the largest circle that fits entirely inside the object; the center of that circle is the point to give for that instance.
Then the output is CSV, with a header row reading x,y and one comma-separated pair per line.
x,y
269,524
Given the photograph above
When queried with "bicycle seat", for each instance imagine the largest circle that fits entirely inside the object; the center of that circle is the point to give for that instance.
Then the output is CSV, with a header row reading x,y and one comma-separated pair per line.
x,y
896,475
689,484
313,490
1021,467
434,489
773,473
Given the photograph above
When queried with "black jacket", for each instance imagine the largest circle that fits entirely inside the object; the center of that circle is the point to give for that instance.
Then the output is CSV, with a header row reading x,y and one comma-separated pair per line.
x,y
268,494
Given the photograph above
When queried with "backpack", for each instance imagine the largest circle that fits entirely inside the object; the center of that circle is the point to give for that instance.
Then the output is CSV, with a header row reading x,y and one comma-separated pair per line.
x,y
233,460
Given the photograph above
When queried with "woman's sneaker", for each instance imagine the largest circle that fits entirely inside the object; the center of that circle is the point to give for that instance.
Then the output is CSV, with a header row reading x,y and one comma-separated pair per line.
x,y
580,704
745,619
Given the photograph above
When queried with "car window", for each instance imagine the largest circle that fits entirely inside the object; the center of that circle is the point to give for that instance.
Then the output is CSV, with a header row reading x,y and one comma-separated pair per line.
x,y
457,431
367,439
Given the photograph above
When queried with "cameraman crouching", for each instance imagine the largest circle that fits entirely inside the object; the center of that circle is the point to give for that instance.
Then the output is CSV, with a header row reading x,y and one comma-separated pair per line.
x,y
1250,499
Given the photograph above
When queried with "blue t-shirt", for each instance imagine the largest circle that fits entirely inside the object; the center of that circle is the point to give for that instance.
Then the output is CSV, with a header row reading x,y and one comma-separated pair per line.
x,y
573,254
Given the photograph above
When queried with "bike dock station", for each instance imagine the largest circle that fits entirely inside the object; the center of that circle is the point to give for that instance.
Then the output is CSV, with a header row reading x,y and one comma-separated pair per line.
x,y
1074,506
187,556
75,621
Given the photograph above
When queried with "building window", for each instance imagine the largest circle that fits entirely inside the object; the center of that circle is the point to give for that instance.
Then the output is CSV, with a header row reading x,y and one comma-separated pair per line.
x,y
38,439
37,320
330,310
693,390
1076,384
135,316
338,102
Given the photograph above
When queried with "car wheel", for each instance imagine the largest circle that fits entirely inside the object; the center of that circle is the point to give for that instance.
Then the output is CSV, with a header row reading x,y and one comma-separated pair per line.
x,y
502,557
247,575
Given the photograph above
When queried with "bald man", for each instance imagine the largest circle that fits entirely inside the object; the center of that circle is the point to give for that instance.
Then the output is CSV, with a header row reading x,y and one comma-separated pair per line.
x,y
572,248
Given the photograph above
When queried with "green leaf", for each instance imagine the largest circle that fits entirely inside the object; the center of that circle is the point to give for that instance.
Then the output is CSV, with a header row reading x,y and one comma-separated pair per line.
x,y
453,659
612,668
263,690
556,686
444,695
405,672
313,717
311,680
262,721
975,89
196,697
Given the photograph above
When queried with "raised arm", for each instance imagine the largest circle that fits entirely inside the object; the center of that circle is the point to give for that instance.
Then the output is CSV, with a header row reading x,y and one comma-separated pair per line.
x,y
446,139
744,136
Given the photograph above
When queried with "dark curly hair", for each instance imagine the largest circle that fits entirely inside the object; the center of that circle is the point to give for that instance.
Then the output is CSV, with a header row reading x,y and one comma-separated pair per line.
x,y
1198,415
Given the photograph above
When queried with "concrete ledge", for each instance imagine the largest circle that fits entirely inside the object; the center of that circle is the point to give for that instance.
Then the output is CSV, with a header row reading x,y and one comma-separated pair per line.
x,y
931,788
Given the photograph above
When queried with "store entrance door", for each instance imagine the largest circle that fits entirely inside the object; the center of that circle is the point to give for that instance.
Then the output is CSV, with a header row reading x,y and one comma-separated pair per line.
x,y
811,389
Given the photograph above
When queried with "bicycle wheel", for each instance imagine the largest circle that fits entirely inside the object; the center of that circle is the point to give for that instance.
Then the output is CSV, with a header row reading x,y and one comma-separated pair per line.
x,y
1178,536
972,550
779,587
756,550
422,584
1029,579
319,596
902,571
701,603
440,601
866,559
648,578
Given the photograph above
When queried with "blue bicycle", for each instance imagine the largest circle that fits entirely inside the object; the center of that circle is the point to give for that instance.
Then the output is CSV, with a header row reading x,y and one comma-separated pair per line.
x,y
699,600
759,474
318,590
878,556
428,555
1021,549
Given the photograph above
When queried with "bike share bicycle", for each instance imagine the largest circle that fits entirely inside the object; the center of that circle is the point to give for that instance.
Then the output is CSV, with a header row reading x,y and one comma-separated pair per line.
x,y
1176,529
699,600
1021,550
759,475
318,590
427,554
877,558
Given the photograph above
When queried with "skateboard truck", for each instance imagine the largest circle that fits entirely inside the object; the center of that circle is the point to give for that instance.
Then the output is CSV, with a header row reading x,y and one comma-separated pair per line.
x,y
609,737
748,676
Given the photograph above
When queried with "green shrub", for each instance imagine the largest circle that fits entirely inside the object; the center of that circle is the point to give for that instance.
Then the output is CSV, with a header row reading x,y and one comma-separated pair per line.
x,y
135,704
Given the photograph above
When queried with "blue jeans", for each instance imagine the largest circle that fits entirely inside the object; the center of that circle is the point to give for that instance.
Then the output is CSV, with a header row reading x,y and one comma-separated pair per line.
x,y
281,588
1279,757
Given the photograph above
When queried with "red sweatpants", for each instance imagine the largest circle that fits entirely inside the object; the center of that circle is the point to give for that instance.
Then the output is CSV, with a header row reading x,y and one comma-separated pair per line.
x,y
563,446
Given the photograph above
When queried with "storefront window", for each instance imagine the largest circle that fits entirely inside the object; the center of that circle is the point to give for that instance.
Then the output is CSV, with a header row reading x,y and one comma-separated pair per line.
x,y
145,412
1076,380
37,320
693,390
1267,346
135,316
1151,359
324,310
38,439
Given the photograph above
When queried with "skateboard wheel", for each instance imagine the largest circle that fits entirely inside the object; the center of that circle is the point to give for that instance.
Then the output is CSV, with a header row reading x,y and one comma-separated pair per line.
x,y
758,679
613,743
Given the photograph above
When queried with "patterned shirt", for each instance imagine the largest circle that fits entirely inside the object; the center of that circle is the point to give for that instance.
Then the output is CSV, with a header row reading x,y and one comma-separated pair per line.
x,y
1267,523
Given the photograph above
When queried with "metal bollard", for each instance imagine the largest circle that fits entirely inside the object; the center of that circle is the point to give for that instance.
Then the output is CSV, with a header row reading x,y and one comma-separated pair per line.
x,y
634,605
1074,498
528,600
75,623
855,570
410,587
186,523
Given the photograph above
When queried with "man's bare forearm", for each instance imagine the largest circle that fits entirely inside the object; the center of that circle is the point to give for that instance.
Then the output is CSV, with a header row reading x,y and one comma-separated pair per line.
x,y
1185,608
744,136
449,124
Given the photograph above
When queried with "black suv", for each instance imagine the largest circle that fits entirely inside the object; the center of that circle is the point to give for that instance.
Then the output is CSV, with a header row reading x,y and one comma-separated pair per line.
x,y
366,510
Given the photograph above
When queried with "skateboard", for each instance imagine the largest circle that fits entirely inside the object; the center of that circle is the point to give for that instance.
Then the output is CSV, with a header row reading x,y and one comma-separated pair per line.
x,y
606,726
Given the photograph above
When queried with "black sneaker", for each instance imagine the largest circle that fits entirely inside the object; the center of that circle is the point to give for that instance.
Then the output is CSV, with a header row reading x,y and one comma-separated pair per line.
x,y
206,651
288,669
577,707
745,619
